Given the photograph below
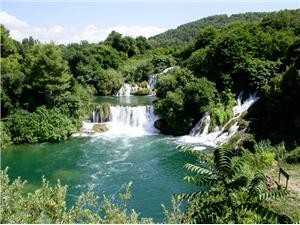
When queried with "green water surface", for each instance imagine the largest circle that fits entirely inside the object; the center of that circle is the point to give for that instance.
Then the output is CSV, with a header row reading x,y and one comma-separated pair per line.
x,y
125,100
151,162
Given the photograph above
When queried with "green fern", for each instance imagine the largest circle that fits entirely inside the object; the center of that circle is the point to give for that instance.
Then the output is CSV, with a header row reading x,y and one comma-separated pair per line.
x,y
230,196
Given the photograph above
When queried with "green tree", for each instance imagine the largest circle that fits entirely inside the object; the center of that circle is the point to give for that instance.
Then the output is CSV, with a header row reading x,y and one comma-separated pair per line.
x,y
46,72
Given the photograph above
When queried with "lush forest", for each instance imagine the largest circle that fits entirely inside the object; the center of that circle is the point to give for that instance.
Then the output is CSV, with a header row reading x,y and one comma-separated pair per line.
x,y
186,34
46,91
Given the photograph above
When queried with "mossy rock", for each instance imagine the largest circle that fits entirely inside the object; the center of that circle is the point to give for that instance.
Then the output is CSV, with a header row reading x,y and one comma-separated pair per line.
x,y
243,124
100,128
229,124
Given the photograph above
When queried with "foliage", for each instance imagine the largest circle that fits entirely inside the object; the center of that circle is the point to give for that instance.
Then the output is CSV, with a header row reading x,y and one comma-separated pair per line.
x,y
187,33
293,156
40,126
227,195
48,205
142,91
127,45
5,138
47,74
179,91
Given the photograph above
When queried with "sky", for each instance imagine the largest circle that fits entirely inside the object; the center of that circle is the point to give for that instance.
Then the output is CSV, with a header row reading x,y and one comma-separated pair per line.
x,y
65,21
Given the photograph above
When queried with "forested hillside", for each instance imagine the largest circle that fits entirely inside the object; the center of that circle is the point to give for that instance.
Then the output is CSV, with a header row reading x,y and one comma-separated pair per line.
x,y
185,34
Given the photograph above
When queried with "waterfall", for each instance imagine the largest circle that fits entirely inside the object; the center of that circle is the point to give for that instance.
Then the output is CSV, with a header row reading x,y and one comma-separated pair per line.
x,y
152,81
121,120
153,78
100,114
200,135
127,89
201,127
139,116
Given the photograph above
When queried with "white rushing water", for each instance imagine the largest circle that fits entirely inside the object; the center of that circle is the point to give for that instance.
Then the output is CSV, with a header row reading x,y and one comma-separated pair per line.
x,y
127,89
125,120
153,78
200,135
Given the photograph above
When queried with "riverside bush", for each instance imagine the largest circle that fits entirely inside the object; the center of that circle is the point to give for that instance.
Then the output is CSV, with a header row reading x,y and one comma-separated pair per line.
x,y
293,156
43,125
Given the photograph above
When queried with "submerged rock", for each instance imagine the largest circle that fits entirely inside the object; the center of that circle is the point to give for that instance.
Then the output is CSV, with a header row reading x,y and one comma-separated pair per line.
x,y
100,128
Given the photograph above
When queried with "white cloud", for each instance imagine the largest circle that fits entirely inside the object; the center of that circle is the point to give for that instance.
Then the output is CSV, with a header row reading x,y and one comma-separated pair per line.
x,y
20,29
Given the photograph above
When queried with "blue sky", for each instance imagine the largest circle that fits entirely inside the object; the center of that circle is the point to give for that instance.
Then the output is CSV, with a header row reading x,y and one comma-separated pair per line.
x,y
73,20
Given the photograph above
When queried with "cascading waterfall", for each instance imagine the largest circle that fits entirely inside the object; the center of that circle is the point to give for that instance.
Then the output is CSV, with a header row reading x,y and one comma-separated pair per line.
x,y
153,78
127,120
152,81
200,135
127,89
141,117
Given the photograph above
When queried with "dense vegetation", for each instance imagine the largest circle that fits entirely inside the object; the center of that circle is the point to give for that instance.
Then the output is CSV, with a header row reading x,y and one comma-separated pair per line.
x,y
260,57
186,34
46,91
48,86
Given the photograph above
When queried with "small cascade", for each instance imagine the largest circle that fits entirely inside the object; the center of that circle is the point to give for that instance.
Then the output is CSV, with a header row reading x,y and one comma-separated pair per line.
x,y
100,114
127,89
199,133
152,81
153,78
142,117
201,127
121,120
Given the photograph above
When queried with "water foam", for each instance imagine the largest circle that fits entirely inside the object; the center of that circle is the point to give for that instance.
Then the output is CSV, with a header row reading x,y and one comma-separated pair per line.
x,y
200,135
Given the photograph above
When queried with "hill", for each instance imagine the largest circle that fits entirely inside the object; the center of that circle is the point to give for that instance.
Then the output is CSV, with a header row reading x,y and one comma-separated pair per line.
x,y
186,33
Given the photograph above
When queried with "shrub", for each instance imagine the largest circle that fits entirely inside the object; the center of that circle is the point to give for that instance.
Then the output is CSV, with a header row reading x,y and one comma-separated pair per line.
x,y
40,126
293,156
5,138
142,91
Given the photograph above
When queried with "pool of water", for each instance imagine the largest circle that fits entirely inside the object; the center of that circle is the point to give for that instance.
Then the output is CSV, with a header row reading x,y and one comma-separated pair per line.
x,y
151,162
125,100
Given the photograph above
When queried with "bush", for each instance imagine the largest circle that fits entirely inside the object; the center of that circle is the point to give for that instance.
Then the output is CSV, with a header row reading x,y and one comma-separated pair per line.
x,y
5,138
142,91
43,125
293,156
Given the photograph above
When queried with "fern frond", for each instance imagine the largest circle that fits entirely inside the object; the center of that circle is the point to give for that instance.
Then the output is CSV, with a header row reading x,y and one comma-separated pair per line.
x,y
194,195
265,213
198,154
257,185
207,212
222,161
238,183
201,181
197,169
272,195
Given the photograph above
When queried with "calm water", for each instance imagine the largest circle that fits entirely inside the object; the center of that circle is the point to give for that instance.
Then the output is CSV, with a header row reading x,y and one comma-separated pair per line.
x,y
151,162
125,100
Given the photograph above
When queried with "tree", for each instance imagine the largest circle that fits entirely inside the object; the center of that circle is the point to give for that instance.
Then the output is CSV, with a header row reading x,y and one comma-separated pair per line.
x,y
8,46
227,195
47,73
